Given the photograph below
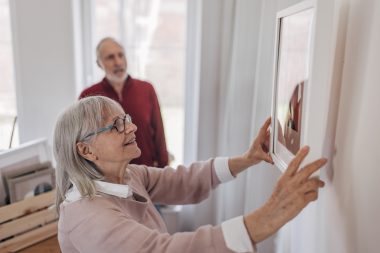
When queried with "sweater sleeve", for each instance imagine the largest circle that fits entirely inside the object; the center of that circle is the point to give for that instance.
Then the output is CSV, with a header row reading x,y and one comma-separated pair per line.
x,y
184,185
110,231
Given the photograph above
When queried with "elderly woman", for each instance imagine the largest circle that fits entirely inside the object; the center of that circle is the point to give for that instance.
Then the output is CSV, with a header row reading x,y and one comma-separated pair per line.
x,y
105,204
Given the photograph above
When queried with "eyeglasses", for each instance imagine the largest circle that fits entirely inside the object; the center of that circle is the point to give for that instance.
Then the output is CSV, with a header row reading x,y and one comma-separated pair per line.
x,y
119,124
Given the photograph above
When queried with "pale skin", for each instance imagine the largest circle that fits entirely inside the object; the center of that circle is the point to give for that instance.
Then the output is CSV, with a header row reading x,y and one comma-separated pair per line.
x,y
112,151
294,190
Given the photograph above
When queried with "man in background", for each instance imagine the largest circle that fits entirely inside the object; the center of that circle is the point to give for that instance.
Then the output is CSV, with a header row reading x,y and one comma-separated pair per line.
x,y
138,99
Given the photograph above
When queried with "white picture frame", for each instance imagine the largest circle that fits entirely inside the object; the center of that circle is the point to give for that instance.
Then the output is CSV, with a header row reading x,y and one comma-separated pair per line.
x,y
30,184
292,79
28,153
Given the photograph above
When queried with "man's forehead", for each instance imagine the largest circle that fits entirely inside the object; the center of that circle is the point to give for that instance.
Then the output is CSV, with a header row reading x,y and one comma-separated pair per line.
x,y
109,47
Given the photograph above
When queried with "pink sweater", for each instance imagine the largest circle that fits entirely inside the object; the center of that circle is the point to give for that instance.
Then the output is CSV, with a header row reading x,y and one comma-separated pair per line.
x,y
108,223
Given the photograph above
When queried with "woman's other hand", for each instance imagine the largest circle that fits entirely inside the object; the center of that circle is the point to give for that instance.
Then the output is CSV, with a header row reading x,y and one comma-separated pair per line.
x,y
293,192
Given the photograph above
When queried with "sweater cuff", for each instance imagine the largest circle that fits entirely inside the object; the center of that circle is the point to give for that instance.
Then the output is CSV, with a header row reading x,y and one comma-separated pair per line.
x,y
222,170
236,235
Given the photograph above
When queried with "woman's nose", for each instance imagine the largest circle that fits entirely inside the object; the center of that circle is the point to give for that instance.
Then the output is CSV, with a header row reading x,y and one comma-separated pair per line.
x,y
130,128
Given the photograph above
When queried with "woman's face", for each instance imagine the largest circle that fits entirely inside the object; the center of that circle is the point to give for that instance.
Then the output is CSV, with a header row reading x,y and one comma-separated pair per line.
x,y
113,149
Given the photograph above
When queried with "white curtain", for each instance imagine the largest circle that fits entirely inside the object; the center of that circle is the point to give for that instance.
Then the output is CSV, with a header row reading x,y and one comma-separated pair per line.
x,y
231,105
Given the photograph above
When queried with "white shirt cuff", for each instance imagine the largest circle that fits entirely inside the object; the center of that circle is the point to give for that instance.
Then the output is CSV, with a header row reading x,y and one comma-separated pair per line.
x,y
236,235
222,170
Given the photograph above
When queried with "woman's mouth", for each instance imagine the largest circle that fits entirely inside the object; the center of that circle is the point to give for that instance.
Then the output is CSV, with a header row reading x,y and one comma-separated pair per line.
x,y
132,141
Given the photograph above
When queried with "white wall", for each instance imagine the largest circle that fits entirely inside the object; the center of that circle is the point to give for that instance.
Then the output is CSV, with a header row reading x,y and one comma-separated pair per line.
x,y
345,218
352,204
43,44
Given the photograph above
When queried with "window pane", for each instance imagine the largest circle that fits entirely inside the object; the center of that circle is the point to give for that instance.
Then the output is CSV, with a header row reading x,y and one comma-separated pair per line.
x,y
153,34
8,110
106,24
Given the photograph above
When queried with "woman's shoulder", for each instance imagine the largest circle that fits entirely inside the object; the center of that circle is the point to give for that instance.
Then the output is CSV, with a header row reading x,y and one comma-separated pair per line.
x,y
136,170
75,213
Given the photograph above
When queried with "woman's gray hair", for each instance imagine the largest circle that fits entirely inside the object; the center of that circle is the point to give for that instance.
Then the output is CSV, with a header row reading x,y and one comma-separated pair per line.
x,y
83,117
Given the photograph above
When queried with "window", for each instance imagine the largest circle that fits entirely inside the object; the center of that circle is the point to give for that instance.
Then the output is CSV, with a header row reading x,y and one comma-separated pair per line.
x,y
8,112
153,34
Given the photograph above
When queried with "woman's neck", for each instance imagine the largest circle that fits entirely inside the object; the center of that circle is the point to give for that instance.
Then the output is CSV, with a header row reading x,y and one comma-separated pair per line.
x,y
115,174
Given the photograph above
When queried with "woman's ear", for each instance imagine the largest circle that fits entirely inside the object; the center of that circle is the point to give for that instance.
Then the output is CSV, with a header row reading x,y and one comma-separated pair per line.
x,y
85,152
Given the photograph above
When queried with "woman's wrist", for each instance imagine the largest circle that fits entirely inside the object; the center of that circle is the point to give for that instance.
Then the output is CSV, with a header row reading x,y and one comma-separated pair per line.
x,y
238,164
258,225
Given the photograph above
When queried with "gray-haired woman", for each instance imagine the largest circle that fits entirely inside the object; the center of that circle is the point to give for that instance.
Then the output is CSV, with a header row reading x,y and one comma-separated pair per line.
x,y
106,204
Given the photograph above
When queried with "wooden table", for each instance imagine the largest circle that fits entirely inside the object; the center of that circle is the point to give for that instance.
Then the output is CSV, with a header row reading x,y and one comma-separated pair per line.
x,y
49,245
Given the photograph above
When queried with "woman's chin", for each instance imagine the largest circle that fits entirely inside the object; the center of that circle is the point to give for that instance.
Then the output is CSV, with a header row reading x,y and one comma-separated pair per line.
x,y
138,153
132,151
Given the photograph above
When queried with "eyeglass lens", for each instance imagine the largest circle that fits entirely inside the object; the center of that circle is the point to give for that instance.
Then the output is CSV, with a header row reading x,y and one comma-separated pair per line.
x,y
121,122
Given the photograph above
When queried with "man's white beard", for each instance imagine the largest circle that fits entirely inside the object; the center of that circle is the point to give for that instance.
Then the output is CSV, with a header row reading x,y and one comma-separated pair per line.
x,y
117,79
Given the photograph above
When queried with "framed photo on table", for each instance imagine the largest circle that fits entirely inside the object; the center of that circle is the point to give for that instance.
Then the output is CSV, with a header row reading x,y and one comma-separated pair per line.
x,y
28,181
291,80
27,154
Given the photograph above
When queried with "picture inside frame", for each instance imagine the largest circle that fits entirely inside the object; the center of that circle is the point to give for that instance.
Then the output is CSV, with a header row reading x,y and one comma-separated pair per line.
x,y
30,185
29,181
291,76
11,161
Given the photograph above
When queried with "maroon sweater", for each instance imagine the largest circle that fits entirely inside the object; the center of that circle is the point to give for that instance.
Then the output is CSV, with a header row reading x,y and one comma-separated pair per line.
x,y
140,101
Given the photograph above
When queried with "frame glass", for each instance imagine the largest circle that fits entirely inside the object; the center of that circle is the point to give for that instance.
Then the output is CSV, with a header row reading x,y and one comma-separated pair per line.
x,y
292,64
27,154
38,179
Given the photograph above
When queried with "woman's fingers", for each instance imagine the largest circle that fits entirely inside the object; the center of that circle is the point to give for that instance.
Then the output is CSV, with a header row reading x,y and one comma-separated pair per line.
x,y
309,169
296,162
258,150
265,144
309,190
311,185
266,125
266,157
263,130
311,196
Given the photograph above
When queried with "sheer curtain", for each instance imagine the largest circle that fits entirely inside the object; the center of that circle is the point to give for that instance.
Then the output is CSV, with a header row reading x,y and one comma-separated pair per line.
x,y
231,107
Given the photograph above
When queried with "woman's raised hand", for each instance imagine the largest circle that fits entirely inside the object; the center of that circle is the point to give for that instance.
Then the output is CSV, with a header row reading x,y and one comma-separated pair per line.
x,y
259,149
257,152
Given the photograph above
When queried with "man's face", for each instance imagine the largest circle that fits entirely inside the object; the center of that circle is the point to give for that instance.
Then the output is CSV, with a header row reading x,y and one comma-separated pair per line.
x,y
112,60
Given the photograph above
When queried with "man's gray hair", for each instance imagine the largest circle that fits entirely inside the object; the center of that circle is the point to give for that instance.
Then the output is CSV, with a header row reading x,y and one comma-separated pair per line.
x,y
101,43
83,117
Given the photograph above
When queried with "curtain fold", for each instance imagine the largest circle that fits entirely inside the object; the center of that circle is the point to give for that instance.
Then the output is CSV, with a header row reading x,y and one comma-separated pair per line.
x,y
227,97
